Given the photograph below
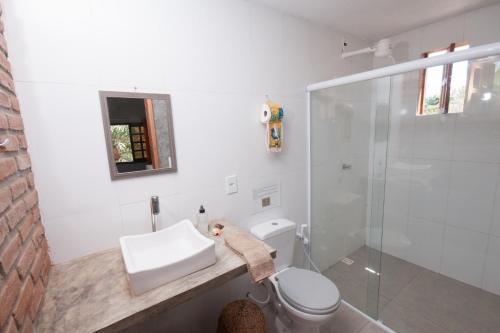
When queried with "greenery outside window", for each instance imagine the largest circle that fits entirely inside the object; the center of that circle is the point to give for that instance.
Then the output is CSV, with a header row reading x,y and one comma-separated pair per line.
x,y
129,143
120,134
442,88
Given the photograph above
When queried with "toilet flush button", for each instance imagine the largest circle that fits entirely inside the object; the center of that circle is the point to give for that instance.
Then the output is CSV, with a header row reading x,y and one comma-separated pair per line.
x,y
266,195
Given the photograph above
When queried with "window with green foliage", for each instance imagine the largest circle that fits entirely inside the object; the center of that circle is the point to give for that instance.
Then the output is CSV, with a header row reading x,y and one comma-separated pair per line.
x,y
442,88
122,146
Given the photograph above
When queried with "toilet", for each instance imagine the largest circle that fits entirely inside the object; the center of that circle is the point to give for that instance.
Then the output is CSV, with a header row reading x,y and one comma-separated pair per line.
x,y
304,299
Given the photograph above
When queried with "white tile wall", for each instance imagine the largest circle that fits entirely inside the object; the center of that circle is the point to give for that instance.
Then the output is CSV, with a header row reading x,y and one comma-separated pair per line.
x,y
477,134
464,254
429,189
395,239
441,33
426,243
495,227
217,59
482,25
452,224
397,186
402,119
433,137
492,268
471,196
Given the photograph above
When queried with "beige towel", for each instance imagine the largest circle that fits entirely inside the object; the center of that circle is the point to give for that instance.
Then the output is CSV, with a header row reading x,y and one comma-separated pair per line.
x,y
259,262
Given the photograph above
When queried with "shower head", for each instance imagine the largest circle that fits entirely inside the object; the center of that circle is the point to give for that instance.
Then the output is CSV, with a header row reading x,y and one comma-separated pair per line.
x,y
383,48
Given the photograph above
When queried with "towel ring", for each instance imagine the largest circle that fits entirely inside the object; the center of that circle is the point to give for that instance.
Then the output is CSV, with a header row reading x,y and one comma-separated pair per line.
x,y
5,142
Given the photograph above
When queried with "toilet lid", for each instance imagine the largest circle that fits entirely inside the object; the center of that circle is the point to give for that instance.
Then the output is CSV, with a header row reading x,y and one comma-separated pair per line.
x,y
308,291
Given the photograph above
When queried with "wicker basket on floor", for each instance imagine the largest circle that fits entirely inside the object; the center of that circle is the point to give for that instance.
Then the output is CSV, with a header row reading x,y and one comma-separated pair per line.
x,y
241,316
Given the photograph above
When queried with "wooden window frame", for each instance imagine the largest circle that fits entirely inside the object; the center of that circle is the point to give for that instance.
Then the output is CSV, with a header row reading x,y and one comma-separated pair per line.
x,y
444,100
144,145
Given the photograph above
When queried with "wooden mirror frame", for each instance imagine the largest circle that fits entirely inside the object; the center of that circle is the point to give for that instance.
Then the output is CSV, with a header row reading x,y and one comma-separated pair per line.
x,y
104,95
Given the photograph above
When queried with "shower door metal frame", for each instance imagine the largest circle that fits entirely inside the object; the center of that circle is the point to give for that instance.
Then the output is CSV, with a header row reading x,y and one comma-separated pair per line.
x,y
476,52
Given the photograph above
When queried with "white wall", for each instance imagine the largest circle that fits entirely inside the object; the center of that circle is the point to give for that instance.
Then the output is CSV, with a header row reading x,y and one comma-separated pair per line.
x,y
217,59
442,195
477,27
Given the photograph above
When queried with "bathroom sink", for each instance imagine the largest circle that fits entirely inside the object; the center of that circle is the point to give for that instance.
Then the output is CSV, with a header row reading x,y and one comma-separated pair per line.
x,y
159,257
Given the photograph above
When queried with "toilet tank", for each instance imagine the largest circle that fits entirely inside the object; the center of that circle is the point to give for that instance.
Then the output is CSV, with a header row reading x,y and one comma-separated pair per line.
x,y
280,234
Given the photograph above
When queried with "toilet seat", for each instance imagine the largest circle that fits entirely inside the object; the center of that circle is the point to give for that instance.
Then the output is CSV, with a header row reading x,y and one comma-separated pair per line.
x,y
308,291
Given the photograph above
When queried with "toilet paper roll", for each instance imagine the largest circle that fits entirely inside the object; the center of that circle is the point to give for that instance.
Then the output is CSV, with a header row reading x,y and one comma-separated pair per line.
x,y
265,114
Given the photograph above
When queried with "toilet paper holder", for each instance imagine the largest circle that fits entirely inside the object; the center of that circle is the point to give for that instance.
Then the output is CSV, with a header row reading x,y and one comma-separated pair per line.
x,y
271,116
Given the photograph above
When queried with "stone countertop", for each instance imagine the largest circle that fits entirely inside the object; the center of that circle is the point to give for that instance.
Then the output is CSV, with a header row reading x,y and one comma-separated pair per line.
x,y
91,293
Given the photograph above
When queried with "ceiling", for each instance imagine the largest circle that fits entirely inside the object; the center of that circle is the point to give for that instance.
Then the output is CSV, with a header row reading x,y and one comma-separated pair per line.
x,y
374,19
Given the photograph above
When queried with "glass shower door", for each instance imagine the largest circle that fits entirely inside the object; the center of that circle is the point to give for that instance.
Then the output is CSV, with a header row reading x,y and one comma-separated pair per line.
x,y
441,244
349,135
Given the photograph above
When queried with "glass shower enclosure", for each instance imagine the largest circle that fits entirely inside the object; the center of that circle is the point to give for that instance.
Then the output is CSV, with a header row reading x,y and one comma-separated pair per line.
x,y
401,198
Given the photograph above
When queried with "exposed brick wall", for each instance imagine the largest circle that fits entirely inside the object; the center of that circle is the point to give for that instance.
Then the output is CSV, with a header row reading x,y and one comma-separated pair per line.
x,y
24,258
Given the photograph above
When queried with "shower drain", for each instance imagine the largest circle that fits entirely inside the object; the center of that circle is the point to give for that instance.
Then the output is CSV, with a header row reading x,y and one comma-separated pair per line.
x,y
348,261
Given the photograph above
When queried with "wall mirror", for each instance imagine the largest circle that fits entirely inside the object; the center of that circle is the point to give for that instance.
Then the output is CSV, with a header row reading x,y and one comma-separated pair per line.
x,y
139,133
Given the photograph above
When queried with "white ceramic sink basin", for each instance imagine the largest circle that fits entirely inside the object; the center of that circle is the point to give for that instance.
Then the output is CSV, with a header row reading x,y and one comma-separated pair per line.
x,y
160,257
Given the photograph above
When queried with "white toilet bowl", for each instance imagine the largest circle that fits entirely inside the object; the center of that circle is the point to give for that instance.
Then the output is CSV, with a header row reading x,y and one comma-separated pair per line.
x,y
306,298
303,299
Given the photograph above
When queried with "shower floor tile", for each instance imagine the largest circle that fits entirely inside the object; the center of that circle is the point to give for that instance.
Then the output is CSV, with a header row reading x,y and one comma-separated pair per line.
x,y
416,300
347,320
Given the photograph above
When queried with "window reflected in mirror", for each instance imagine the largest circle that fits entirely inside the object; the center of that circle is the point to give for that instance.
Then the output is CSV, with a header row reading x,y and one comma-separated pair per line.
x,y
139,133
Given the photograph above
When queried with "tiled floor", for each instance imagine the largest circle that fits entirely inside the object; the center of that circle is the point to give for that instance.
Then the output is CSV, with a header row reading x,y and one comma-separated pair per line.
x,y
347,320
414,299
